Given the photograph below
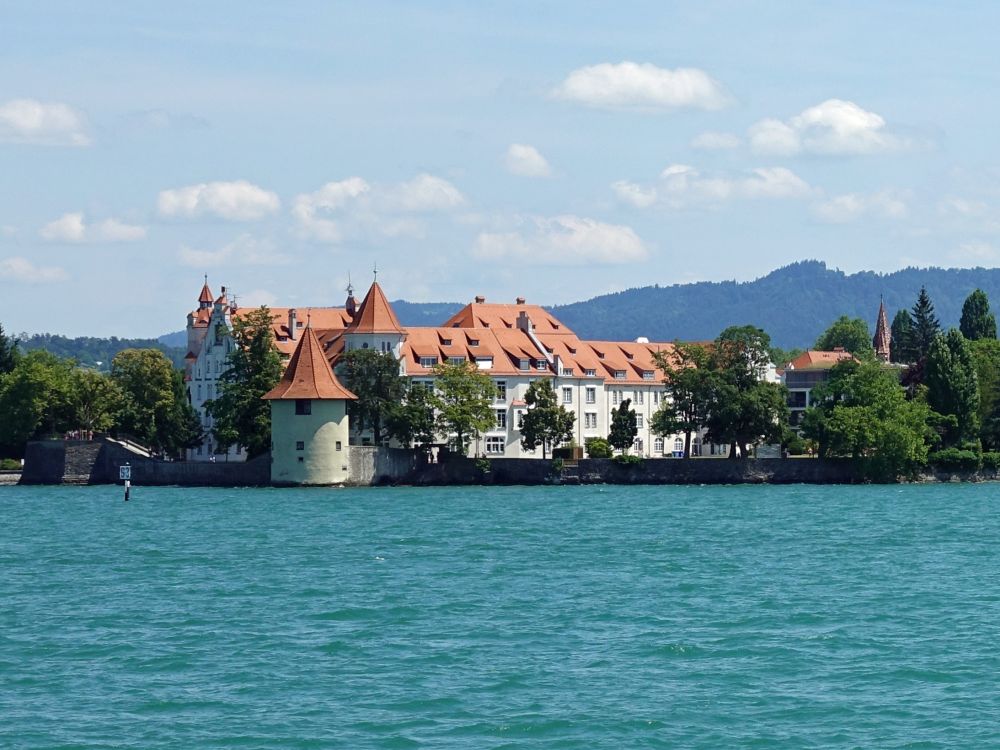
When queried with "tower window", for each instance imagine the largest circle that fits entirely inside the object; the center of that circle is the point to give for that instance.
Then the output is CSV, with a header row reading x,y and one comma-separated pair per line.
x,y
303,406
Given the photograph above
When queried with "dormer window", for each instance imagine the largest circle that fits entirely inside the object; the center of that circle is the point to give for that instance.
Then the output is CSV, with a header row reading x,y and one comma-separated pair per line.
x,y
541,364
620,374
525,364
456,360
428,361
648,374
473,342
590,373
445,342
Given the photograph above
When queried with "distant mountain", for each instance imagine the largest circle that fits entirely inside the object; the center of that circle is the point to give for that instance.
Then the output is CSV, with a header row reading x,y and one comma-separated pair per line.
x,y
424,313
176,339
794,304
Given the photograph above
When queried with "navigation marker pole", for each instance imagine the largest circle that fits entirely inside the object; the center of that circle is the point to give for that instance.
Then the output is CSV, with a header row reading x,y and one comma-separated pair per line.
x,y
125,473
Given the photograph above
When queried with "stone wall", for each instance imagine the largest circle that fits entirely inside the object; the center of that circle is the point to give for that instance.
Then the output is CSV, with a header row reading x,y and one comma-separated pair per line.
x,y
370,465
98,461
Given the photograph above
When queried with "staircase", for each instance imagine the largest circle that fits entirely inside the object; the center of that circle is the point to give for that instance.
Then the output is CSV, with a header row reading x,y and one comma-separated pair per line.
x,y
570,472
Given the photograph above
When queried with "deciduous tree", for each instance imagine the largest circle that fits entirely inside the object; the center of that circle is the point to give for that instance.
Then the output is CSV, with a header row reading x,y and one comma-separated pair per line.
x,y
851,334
8,352
253,367
95,400
624,427
689,382
34,400
411,421
546,422
463,399
374,378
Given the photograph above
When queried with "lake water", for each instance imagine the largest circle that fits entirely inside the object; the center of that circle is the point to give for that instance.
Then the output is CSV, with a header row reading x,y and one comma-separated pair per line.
x,y
585,617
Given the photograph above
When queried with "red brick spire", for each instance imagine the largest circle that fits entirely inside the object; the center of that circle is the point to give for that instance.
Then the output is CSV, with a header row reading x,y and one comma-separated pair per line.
x,y
883,336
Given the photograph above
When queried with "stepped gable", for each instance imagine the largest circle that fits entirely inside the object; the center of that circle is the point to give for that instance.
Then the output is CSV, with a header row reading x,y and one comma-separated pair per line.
x,y
308,375
883,334
375,315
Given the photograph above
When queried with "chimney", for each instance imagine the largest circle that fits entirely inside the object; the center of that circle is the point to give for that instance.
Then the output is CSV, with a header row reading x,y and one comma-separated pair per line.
x,y
519,301
480,300
523,322
292,316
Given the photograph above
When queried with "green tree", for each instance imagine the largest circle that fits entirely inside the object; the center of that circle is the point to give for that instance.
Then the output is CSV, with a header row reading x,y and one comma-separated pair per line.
x,y
34,400
862,413
901,346
155,409
9,353
953,385
851,334
546,422
94,399
374,378
986,355
745,408
463,399
689,383
253,367
411,421
624,427
597,447
925,325
977,320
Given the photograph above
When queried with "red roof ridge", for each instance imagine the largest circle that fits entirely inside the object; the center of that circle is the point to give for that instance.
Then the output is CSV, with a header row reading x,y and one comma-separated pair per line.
x,y
308,374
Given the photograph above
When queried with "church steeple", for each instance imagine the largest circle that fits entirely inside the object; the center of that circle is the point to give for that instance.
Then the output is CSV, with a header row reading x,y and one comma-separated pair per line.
x,y
883,334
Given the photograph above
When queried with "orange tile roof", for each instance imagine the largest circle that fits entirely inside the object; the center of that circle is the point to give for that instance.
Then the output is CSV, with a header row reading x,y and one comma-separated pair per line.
x,y
375,315
308,374
500,316
817,360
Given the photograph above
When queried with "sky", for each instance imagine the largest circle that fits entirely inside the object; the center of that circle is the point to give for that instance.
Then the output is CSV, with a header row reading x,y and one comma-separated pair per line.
x,y
553,150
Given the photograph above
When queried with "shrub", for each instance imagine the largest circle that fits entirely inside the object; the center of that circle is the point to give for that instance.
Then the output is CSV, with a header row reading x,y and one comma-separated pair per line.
x,y
626,460
12,464
557,466
991,461
484,465
954,459
796,446
597,448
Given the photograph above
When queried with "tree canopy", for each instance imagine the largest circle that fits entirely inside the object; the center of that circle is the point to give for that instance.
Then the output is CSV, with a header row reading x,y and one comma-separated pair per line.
x,y
925,325
35,400
253,367
624,427
978,322
901,345
851,334
546,422
374,378
463,399
411,420
953,386
8,352
689,383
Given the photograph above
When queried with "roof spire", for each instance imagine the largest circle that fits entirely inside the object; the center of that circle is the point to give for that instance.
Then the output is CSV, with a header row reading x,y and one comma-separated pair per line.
x,y
375,270
883,336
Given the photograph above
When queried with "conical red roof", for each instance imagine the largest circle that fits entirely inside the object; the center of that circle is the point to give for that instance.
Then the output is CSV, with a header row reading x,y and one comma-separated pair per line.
x,y
308,374
206,294
375,314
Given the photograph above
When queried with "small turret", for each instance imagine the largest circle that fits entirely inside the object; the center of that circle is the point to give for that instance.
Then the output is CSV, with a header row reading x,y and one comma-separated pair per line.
x,y
351,306
205,299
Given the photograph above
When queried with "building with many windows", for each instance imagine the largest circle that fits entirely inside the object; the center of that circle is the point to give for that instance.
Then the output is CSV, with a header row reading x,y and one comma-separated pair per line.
x,y
515,343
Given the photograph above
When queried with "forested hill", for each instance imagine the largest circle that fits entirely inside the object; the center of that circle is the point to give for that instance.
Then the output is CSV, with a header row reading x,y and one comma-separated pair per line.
x,y
95,352
793,304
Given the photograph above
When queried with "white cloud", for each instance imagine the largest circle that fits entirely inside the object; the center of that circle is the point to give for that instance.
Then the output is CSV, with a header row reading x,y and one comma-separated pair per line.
x,y
424,192
309,208
841,209
233,201
715,141
21,269
245,250
831,127
352,205
525,161
633,194
562,240
643,86
42,123
681,186
963,206
72,227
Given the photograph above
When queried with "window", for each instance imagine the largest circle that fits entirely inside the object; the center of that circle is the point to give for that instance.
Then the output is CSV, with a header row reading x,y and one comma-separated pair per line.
x,y
428,361
301,460
640,397
501,390
473,342
658,445
364,345
619,374
456,360
338,445
519,414
525,364
591,395
303,406
501,419
567,395
656,397
541,364
300,445
637,445
647,374
199,450
445,342
590,373
678,445
590,420
386,347
638,421
199,391
494,445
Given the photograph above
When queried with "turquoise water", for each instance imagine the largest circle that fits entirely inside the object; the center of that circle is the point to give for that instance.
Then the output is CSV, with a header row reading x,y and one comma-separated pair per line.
x,y
605,617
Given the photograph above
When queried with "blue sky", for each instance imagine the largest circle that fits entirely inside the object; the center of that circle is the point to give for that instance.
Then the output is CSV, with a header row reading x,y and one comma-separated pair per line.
x,y
551,150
